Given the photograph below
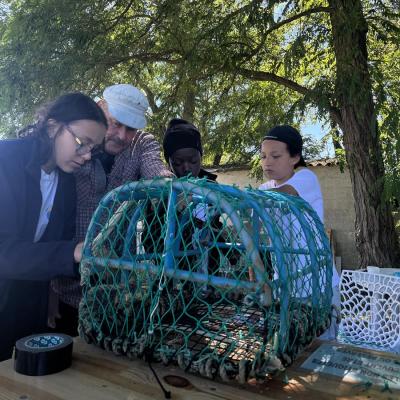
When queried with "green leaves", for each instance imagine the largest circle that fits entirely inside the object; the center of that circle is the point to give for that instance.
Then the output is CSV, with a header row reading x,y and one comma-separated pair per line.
x,y
185,52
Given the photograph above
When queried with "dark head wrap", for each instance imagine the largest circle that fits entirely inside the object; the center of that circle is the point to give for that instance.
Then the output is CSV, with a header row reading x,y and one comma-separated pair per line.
x,y
181,134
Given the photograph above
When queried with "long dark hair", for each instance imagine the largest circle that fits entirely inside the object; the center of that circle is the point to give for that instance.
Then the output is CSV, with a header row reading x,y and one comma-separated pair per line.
x,y
65,109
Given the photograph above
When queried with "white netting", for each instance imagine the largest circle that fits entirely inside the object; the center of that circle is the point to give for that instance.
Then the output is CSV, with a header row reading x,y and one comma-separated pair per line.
x,y
370,308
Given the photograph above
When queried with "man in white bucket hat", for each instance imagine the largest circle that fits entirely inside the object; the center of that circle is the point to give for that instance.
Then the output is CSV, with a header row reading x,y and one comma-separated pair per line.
x,y
125,107
129,155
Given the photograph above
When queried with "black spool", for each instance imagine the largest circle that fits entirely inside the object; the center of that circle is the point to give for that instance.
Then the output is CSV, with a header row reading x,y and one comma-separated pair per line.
x,y
43,354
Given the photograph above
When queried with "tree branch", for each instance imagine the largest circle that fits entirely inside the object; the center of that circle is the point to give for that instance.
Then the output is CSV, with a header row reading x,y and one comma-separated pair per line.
x,y
150,96
118,18
305,13
271,77
144,57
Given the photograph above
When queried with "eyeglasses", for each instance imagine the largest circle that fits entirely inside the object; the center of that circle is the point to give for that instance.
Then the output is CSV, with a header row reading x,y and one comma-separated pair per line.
x,y
81,148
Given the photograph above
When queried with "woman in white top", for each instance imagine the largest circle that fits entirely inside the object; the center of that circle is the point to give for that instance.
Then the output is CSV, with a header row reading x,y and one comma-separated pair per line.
x,y
281,157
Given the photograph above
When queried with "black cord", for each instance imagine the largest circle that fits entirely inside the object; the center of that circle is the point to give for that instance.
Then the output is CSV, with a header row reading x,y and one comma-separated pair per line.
x,y
148,357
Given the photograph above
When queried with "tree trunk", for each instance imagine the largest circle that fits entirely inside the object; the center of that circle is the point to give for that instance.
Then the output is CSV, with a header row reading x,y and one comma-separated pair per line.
x,y
337,137
217,159
376,239
189,104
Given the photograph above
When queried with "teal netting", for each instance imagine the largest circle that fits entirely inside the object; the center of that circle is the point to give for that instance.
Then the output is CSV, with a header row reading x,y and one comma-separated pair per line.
x,y
221,281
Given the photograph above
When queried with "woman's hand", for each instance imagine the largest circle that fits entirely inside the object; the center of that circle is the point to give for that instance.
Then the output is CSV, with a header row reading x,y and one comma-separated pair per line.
x,y
78,252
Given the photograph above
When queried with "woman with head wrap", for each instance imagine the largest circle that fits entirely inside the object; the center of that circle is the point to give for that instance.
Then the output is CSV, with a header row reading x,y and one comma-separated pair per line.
x,y
183,150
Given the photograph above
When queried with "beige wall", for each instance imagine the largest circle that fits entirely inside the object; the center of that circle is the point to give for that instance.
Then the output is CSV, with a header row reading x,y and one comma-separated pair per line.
x,y
338,205
238,177
339,211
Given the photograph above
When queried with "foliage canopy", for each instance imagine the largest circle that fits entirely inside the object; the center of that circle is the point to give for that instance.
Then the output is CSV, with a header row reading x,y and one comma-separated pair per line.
x,y
233,67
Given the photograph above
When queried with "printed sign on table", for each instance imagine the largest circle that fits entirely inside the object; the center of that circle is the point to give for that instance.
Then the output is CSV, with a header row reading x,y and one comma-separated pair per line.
x,y
359,366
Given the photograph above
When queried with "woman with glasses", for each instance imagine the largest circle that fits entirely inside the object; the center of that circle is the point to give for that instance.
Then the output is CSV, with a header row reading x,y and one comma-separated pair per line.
x,y
37,210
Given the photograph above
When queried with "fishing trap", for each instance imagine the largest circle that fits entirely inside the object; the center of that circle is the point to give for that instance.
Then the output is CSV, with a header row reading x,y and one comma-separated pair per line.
x,y
224,282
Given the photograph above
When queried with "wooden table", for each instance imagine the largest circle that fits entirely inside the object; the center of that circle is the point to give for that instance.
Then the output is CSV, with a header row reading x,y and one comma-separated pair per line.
x,y
96,374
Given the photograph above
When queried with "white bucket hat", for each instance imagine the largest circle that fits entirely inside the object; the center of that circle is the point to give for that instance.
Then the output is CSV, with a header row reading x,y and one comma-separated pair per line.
x,y
127,105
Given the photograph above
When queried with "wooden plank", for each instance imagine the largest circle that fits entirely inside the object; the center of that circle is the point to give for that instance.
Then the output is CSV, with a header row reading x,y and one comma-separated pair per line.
x,y
97,374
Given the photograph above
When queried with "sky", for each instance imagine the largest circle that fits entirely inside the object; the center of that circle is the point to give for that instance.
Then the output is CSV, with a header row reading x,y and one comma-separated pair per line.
x,y
318,131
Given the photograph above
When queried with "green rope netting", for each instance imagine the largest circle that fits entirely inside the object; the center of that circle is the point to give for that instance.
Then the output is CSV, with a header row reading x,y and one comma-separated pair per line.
x,y
221,281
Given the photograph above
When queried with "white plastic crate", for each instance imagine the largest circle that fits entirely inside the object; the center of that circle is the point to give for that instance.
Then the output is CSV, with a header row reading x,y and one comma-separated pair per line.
x,y
370,308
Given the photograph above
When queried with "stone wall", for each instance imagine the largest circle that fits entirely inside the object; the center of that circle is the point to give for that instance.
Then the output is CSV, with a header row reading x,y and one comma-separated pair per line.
x,y
339,211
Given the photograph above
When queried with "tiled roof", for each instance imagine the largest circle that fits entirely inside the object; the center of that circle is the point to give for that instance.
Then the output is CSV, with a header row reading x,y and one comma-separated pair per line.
x,y
323,162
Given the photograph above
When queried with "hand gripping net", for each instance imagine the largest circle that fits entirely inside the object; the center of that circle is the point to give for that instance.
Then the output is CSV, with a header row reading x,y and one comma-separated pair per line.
x,y
225,283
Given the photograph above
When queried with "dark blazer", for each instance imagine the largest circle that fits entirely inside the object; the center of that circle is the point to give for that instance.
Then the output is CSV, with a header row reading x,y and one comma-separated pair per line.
x,y
27,267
